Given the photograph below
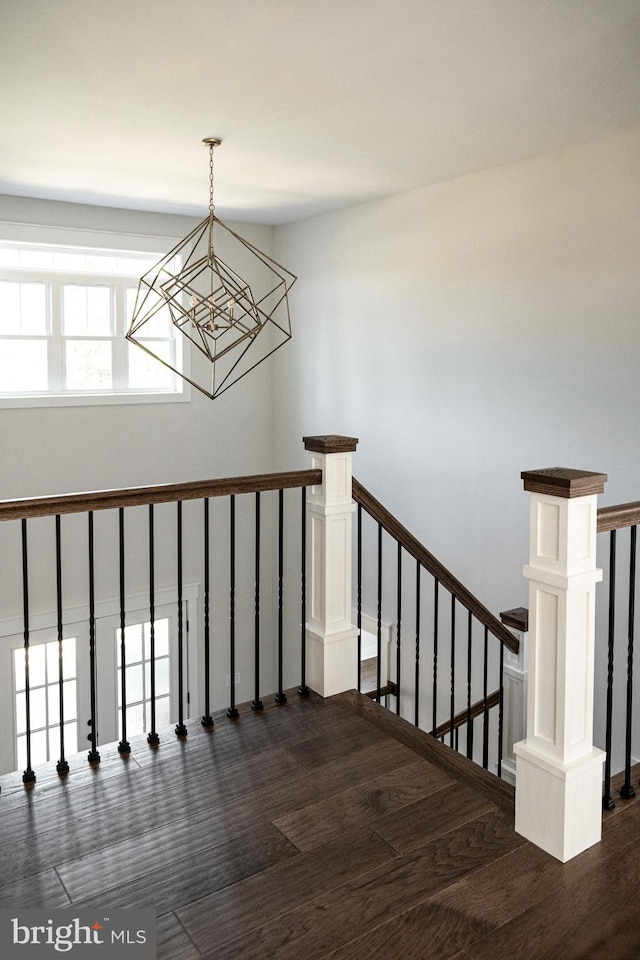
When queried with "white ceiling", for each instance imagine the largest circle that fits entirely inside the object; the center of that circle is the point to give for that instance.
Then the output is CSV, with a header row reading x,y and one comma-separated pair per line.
x,y
320,103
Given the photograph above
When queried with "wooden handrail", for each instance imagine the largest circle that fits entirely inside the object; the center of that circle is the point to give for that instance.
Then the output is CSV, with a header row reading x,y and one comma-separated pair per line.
x,y
420,553
389,689
470,713
618,516
163,493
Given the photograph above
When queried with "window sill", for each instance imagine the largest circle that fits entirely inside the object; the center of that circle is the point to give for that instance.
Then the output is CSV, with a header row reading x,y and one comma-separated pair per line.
x,y
93,399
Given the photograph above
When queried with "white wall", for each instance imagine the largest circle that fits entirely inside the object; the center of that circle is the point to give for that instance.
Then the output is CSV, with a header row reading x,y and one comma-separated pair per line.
x,y
467,331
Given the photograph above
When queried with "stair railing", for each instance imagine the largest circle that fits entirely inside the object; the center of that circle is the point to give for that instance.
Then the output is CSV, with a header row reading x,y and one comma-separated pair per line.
x,y
448,659
621,585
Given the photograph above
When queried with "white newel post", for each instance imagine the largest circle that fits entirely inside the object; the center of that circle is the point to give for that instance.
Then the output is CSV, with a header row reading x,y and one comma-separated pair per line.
x,y
331,638
558,770
515,690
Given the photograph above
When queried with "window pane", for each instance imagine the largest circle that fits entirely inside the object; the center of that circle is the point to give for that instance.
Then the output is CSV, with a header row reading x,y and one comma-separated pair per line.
x,y
53,697
70,739
135,719
69,657
101,263
9,257
41,259
89,364
162,677
162,712
39,747
99,311
87,310
75,309
134,683
33,308
10,307
74,262
52,661
127,266
37,675
38,708
147,372
24,366
159,325
161,638
133,643
54,741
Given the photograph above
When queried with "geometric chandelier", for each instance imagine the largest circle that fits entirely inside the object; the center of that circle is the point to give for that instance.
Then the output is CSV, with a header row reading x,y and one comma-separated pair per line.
x,y
234,323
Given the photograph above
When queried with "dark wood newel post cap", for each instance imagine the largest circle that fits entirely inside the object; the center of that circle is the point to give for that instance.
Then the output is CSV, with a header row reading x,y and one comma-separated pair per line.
x,y
564,482
517,618
331,443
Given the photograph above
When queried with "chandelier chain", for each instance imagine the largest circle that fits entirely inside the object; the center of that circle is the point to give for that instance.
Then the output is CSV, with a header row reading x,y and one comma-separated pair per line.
x,y
211,204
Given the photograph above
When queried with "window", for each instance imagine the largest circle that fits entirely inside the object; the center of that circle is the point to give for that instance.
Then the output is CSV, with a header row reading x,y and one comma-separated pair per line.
x,y
44,700
64,313
137,641
44,679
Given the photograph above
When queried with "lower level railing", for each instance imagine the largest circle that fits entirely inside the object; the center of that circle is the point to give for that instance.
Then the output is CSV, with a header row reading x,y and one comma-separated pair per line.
x,y
137,562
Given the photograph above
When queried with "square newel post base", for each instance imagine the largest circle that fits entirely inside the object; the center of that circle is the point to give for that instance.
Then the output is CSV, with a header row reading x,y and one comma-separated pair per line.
x,y
332,662
559,806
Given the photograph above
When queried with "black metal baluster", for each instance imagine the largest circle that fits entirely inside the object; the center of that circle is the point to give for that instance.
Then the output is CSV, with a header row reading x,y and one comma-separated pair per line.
x,y
359,590
501,710
627,790
232,711
379,621
436,601
469,717
257,702
303,689
207,720
417,653
399,628
28,776
181,730
280,696
485,689
62,766
152,737
453,666
93,756
607,799
124,747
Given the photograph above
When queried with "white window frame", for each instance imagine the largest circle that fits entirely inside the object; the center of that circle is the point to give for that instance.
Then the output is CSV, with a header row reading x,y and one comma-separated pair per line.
x,y
79,241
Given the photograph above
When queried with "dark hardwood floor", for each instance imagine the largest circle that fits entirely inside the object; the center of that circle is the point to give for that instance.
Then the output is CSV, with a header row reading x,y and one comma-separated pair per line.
x,y
320,828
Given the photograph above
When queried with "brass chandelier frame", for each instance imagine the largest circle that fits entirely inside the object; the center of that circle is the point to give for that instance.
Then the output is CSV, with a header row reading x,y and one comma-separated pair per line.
x,y
234,324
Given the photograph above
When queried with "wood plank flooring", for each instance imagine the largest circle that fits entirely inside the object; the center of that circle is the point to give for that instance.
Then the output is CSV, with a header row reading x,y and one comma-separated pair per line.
x,y
319,828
